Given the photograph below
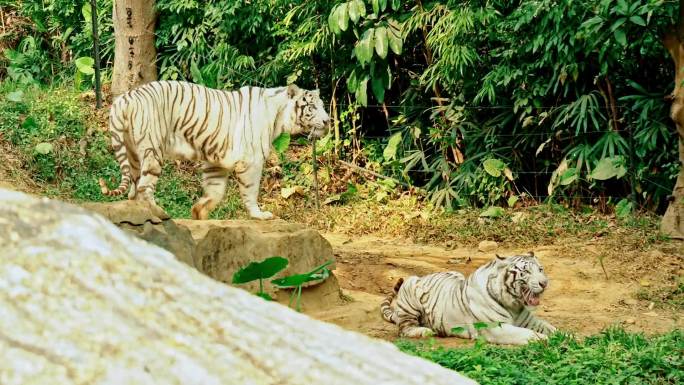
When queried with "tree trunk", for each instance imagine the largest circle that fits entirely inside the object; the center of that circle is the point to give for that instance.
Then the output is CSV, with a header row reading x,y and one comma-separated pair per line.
x,y
134,52
673,220
82,302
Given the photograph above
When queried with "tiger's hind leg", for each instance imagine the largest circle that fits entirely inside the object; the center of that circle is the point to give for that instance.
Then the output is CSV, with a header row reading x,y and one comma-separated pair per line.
x,y
150,170
214,179
135,174
409,326
249,179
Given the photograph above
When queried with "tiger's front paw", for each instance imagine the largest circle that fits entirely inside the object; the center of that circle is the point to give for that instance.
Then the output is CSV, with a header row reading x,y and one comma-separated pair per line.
x,y
263,215
540,336
417,332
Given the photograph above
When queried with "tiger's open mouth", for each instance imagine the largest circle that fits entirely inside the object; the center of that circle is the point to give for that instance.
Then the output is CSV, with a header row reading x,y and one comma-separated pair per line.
x,y
530,298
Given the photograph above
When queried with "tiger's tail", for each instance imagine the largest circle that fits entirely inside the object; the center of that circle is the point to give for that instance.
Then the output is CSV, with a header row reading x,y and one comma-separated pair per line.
x,y
386,305
117,130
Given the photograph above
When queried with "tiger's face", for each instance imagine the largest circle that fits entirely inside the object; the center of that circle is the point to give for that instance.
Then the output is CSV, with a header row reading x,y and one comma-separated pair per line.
x,y
524,279
310,114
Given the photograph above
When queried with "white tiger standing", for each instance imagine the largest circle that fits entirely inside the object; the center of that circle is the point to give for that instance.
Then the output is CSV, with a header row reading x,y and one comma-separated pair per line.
x,y
229,131
501,293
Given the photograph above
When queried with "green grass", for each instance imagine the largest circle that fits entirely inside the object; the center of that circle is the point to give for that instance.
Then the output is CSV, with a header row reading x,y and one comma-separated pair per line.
x,y
57,116
611,357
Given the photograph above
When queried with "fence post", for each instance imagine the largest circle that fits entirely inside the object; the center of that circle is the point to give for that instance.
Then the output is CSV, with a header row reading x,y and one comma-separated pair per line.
x,y
96,54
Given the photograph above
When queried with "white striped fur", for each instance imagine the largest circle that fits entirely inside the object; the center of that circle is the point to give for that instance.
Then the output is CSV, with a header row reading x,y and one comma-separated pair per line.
x,y
228,131
501,293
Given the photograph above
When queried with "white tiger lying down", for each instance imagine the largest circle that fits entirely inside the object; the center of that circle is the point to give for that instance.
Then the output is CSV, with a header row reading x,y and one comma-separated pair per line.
x,y
501,293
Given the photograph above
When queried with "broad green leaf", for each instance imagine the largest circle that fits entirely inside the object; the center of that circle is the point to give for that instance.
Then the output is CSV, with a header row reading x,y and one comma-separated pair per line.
x,y
623,208
353,12
381,42
318,273
390,151
394,37
608,168
87,12
85,65
332,21
343,16
620,36
281,143
568,176
196,73
361,7
352,82
458,330
43,148
383,5
260,270
29,123
638,20
512,200
376,6
364,48
378,88
494,167
493,212
396,4
361,92
15,96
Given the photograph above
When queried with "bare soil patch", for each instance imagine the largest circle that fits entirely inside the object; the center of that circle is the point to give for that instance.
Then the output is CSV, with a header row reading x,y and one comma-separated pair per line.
x,y
580,298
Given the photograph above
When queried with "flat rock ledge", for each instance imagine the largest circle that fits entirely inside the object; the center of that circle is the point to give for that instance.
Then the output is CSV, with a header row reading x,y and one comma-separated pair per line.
x,y
218,248
82,302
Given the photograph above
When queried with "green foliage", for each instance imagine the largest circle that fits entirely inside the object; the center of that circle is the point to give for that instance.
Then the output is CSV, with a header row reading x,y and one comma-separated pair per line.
x,y
461,87
47,126
297,280
281,143
612,357
260,270
272,266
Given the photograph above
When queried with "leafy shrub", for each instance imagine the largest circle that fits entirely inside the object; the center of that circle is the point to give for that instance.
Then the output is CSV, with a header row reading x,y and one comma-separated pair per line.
x,y
553,89
611,357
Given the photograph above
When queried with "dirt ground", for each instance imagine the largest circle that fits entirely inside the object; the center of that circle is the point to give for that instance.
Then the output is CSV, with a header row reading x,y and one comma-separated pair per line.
x,y
580,299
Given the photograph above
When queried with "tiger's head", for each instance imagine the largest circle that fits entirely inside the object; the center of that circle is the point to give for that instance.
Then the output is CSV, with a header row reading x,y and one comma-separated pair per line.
x,y
523,279
309,112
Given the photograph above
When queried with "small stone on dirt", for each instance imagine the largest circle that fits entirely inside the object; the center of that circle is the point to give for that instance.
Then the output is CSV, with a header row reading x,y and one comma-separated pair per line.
x,y
630,321
644,283
630,302
459,260
486,246
656,254
651,314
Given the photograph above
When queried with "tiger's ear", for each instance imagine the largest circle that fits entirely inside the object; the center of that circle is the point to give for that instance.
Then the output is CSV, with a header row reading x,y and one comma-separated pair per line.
x,y
530,253
293,90
316,92
500,258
